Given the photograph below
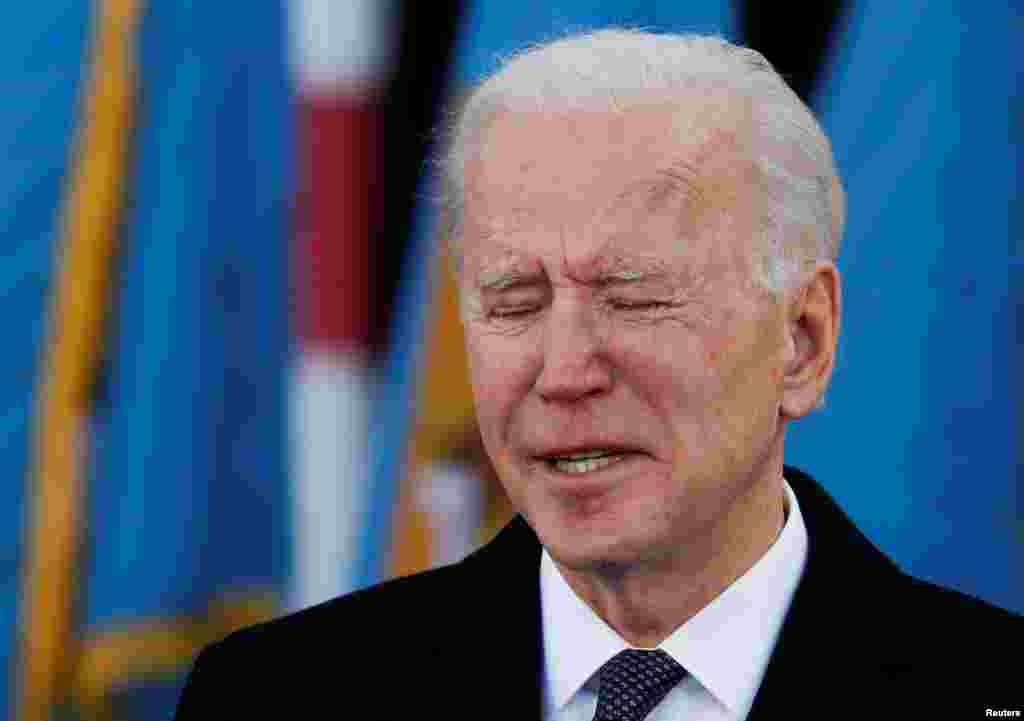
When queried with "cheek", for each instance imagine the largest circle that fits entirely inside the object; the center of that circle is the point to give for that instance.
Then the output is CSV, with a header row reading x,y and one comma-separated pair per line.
x,y
742,411
704,389
756,371
501,372
669,372
732,373
669,362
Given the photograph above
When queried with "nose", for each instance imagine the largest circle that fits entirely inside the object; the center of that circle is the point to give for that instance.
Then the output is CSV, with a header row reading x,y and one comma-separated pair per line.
x,y
575,365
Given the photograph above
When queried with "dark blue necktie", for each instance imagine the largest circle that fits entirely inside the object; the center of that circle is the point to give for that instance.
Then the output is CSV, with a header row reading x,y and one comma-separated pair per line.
x,y
633,682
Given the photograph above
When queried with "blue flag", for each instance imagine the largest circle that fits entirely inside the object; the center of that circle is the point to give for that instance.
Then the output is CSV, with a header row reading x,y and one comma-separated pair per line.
x,y
919,439
184,531
188,493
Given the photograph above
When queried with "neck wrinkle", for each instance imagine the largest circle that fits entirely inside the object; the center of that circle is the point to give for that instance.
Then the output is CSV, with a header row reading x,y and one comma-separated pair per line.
x,y
631,603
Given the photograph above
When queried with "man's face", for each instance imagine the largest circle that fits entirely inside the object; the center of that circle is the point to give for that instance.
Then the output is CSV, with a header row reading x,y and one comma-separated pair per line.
x,y
610,312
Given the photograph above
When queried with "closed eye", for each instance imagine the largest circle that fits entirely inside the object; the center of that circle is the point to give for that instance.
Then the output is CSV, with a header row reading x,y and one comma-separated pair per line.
x,y
512,312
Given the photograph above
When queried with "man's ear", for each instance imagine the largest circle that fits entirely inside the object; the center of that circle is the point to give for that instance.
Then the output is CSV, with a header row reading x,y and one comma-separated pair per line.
x,y
812,328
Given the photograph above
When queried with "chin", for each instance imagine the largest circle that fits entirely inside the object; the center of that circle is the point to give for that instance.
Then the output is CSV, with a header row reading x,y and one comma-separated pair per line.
x,y
590,545
595,560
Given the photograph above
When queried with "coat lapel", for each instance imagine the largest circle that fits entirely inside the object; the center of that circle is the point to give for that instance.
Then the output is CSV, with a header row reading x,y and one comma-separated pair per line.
x,y
498,652
839,632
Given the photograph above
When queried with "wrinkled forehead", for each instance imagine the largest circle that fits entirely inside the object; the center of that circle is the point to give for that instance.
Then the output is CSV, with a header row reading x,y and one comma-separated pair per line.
x,y
609,179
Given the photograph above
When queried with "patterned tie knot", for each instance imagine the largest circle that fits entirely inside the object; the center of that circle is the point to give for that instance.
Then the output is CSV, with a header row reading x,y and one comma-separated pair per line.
x,y
633,682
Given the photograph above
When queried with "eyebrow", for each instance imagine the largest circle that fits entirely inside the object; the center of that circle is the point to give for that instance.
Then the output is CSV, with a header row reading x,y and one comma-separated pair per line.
x,y
619,269
630,277
503,278
615,272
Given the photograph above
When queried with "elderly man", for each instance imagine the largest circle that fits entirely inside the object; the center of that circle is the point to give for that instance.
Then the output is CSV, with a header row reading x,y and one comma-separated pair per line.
x,y
645,231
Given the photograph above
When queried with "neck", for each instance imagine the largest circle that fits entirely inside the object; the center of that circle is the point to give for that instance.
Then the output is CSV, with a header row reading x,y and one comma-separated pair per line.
x,y
646,603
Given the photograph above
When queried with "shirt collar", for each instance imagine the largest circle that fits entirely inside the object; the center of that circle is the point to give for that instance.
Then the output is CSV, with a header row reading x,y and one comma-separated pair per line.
x,y
725,647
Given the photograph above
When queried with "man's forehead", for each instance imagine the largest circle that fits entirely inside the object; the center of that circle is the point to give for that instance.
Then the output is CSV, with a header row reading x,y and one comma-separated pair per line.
x,y
532,161
688,121
654,225
600,191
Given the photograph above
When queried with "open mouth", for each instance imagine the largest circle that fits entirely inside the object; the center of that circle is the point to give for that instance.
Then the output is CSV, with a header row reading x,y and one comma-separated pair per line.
x,y
585,462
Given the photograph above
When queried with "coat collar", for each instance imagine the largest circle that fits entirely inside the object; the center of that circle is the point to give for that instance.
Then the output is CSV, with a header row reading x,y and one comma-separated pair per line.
x,y
841,622
497,628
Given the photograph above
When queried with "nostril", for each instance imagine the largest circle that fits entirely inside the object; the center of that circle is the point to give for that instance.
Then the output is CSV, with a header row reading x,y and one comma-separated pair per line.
x,y
570,382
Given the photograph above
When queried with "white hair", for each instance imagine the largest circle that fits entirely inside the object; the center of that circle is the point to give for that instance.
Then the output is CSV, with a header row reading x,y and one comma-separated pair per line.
x,y
610,69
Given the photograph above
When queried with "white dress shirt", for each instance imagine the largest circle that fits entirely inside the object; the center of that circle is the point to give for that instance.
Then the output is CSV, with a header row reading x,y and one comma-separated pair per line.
x,y
725,648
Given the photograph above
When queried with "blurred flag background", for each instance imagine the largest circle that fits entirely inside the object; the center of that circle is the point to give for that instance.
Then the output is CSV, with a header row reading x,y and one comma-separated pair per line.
x,y
236,384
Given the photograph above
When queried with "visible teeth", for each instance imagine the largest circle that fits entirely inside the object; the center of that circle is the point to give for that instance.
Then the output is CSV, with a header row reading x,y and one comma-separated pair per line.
x,y
585,454
585,465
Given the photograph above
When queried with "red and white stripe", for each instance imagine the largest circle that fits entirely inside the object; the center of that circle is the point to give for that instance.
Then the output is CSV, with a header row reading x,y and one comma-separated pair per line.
x,y
342,53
